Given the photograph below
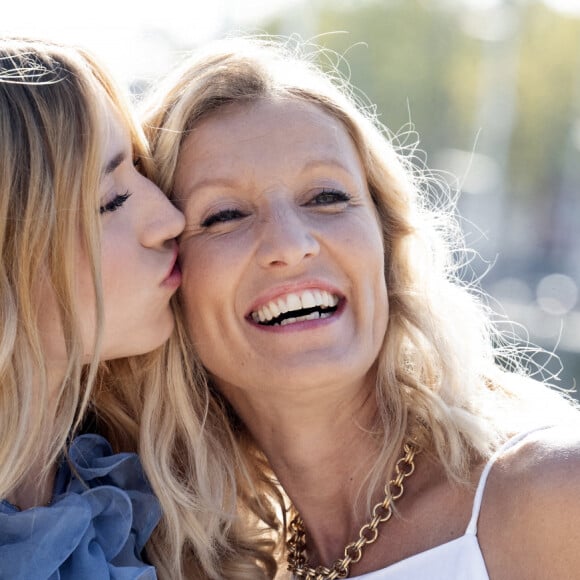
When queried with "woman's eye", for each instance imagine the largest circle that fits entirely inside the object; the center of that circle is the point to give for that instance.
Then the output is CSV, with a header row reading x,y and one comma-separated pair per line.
x,y
225,215
115,203
329,197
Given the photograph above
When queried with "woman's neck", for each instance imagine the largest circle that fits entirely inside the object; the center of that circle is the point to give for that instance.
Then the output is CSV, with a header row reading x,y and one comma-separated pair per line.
x,y
36,489
321,453
327,486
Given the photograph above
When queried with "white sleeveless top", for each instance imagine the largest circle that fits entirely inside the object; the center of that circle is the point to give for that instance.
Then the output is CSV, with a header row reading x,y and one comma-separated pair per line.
x,y
460,559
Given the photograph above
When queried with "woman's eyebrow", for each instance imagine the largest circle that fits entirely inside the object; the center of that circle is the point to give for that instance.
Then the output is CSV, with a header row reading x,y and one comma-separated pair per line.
x,y
211,182
114,163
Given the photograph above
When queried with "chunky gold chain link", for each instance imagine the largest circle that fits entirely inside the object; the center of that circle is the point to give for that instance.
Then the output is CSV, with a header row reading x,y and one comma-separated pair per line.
x,y
381,512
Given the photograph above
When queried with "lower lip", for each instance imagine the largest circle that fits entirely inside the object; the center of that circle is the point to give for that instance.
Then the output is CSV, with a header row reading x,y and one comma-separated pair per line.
x,y
174,278
304,324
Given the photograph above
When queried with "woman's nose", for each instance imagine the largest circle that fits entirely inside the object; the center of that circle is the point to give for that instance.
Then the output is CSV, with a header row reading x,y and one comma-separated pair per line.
x,y
285,239
164,220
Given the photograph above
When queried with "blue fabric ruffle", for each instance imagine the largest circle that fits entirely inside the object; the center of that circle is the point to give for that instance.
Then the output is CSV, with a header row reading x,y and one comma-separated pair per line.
x,y
95,527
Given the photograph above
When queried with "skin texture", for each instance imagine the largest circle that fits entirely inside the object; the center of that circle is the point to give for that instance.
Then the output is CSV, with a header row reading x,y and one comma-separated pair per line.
x,y
533,494
257,183
138,251
284,228
138,254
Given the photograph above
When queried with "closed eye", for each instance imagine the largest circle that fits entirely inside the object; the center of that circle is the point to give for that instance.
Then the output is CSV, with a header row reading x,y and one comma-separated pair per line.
x,y
115,203
225,215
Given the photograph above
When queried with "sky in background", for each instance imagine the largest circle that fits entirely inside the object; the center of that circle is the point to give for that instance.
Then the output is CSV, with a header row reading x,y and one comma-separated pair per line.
x,y
126,34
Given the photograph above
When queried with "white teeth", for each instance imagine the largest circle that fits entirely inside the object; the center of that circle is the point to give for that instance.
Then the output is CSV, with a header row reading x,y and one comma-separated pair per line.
x,y
308,300
296,301
281,304
293,302
273,307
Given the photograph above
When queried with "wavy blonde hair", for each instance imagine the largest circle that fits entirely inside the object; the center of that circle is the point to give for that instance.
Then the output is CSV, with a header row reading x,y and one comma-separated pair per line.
x,y
437,372
52,106
50,102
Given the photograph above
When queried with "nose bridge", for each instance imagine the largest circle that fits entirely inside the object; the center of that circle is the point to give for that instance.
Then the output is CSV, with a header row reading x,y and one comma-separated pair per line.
x,y
162,220
285,236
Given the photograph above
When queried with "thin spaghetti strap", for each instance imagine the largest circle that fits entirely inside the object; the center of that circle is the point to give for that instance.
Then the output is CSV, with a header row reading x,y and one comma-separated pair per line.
x,y
472,527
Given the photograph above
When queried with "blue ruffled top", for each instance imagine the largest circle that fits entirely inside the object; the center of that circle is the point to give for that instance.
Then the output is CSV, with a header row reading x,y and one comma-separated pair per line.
x,y
95,527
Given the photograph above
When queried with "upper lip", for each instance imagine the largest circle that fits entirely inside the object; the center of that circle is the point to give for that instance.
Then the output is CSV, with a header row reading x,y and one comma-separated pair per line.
x,y
289,288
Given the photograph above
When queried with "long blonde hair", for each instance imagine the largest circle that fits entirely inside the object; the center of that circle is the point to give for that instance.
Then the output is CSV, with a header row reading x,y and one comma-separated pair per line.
x,y
52,111
50,159
437,376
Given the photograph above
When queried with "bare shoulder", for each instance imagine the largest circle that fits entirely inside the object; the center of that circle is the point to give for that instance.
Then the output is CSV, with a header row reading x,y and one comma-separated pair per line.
x,y
547,459
530,518
554,448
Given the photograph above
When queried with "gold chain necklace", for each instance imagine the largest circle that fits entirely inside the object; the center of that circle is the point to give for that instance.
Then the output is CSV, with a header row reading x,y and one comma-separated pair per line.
x,y
382,512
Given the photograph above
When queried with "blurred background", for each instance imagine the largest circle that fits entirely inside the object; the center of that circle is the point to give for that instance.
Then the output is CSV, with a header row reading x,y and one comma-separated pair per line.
x,y
492,87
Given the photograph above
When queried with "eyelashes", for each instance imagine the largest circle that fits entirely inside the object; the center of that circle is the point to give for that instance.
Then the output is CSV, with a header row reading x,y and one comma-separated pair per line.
x,y
115,203
222,216
330,197
325,198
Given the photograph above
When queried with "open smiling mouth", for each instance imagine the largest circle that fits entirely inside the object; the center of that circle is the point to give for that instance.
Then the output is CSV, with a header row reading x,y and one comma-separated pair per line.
x,y
296,307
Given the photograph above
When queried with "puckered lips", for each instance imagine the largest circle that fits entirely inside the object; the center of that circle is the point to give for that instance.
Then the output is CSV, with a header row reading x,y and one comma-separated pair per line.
x,y
295,307
172,278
